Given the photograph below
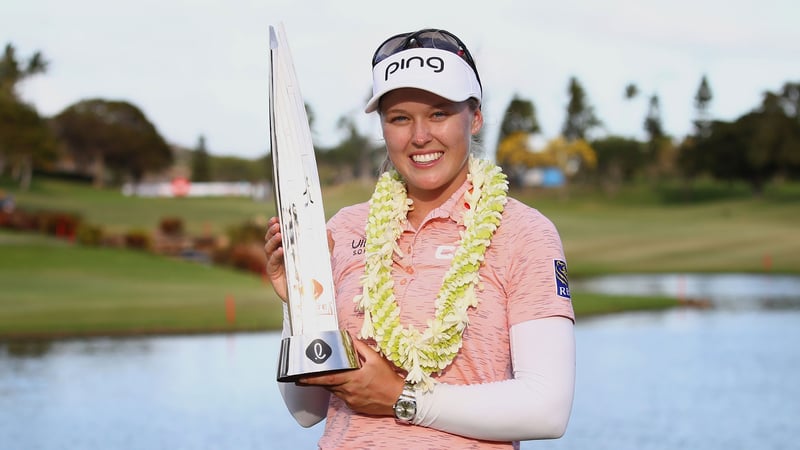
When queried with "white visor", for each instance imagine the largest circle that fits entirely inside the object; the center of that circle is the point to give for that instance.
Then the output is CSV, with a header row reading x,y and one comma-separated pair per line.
x,y
434,70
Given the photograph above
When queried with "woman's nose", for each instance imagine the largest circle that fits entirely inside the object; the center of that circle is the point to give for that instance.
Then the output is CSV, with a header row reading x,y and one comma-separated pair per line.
x,y
422,133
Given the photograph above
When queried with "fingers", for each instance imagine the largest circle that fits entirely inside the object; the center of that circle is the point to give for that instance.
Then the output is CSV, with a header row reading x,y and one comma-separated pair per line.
x,y
272,240
325,380
364,351
273,248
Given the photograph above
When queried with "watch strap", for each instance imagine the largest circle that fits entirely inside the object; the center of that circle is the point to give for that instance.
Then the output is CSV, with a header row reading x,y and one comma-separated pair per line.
x,y
405,408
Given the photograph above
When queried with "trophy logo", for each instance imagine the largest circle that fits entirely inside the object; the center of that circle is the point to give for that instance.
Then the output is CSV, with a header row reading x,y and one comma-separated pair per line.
x,y
316,344
318,351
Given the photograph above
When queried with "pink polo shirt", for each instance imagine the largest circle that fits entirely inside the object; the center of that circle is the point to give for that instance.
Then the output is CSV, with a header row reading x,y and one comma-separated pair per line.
x,y
524,277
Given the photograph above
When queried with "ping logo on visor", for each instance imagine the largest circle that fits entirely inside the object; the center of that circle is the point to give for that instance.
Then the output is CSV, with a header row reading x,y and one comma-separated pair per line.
x,y
562,281
435,63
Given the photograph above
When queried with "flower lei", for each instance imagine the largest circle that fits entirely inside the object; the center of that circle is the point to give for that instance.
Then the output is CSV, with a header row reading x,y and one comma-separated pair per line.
x,y
423,353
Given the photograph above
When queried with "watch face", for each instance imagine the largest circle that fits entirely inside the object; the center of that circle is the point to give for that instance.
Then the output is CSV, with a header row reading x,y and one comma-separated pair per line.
x,y
405,409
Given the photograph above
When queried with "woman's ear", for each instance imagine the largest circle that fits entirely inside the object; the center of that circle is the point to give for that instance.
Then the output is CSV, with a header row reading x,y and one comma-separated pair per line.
x,y
477,122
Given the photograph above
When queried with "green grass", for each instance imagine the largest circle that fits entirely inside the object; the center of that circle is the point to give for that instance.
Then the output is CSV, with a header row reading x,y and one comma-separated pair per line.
x,y
643,233
52,288
588,304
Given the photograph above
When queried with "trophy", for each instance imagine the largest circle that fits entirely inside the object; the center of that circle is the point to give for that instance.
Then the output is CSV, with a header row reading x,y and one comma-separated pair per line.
x,y
316,344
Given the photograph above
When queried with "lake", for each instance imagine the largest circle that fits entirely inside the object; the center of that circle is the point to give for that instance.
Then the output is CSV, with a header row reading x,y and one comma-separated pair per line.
x,y
721,378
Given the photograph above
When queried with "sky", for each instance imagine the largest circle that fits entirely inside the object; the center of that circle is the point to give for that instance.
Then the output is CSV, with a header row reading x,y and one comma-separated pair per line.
x,y
201,67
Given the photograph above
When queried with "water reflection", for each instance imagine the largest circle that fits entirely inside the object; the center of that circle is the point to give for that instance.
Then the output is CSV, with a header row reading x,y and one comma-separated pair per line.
x,y
722,378
17,349
191,392
712,379
721,290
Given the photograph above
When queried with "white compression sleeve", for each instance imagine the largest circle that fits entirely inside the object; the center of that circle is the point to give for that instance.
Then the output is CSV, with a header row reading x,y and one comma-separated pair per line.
x,y
535,404
307,404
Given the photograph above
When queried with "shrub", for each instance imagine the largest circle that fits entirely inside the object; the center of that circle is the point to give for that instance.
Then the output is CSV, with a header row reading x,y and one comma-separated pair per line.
x,y
248,257
89,235
60,224
23,221
138,240
171,226
113,240
247,232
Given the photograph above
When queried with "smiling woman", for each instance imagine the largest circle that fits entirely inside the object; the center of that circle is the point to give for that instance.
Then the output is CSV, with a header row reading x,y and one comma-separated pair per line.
x,y
423,370
428,144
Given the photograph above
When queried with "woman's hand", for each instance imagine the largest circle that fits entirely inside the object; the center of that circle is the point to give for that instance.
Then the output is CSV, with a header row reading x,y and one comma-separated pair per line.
x,y
273,247
372,389
276,271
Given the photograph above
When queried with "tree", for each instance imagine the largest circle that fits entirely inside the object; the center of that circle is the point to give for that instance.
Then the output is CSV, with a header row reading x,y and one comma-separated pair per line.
x,y
652,126
652,122
519,123
631,91
571,155
790,100
354,156
660,152
201,163
690,159
25,139
568,156
512,153
702,100
117,135
778,131
754,148
580,114
13,71
618,160
520,116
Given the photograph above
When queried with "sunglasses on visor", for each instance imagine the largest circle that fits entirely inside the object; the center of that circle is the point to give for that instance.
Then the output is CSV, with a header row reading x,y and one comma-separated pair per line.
x,y
427,38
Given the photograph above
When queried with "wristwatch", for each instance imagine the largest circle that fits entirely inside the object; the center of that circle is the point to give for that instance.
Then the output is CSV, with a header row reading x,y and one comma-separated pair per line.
x,y
405,408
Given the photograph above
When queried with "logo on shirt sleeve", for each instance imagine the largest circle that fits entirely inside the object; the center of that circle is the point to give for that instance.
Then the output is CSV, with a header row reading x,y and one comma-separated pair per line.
x,y
562,281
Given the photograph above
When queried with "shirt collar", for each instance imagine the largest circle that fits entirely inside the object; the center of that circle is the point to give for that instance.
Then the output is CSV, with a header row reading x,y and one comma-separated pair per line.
x,y
453,207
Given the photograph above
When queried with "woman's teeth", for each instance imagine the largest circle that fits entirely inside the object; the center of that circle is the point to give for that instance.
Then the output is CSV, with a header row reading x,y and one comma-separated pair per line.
x,y
427,157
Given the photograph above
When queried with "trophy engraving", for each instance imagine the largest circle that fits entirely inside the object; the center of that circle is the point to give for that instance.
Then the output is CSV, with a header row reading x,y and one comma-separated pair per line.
x,y
316,343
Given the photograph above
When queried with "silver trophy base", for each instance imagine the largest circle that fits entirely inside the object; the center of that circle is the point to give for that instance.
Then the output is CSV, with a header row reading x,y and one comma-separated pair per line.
x,y
324,351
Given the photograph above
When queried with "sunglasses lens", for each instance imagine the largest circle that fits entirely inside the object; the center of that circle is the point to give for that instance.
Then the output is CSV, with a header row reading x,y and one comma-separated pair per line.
x,y
390,47
438,39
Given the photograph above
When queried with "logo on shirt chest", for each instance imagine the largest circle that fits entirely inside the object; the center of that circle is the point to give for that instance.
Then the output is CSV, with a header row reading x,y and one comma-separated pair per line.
x,y
445,252
358,246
